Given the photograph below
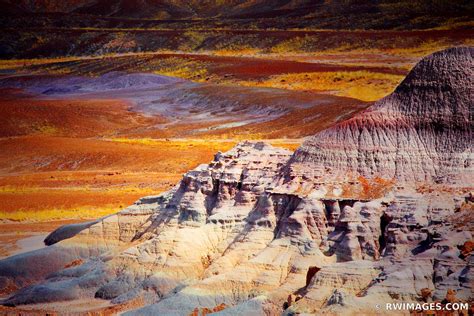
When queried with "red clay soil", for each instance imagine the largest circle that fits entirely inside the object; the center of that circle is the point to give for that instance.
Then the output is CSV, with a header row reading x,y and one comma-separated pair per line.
x,y
303,122
73,118
45,200
44,153
254,68
34,227
42,172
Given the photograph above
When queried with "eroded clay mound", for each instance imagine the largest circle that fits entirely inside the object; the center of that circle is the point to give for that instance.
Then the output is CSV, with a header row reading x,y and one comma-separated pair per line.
x,y
422,132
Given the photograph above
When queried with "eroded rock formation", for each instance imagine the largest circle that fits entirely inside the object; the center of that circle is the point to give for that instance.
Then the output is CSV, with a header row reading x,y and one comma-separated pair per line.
x,y
263,231
421,132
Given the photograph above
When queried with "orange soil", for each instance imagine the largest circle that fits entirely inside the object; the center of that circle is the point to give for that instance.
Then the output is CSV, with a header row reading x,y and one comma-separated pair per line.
x,y
8,243
45,153
73,118
34,228
57,172
65,199
12,232
254,68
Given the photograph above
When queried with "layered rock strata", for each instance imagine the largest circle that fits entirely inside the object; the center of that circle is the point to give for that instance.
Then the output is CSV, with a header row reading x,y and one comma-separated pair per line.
x,y
421,132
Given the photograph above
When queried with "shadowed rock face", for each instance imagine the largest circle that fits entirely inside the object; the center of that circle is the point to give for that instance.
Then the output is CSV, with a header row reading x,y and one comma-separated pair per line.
x,y
249,228
278,13
421,132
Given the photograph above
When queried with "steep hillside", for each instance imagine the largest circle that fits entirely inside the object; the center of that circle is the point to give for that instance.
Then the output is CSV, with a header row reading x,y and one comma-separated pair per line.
x,y
280,14
421,132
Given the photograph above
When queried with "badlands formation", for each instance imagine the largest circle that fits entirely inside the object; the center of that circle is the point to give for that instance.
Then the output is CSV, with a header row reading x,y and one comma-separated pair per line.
x,y
374,210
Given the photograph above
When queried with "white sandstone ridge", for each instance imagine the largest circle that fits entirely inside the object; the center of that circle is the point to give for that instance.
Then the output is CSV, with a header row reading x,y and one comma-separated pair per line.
x,y
255,232
422,132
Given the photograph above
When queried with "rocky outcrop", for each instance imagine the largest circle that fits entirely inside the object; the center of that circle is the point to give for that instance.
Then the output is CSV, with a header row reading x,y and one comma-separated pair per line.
x,y
262,231
357,231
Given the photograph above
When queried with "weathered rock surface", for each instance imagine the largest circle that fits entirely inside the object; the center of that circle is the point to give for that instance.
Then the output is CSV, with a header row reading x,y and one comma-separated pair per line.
x,y
262,231
421,132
